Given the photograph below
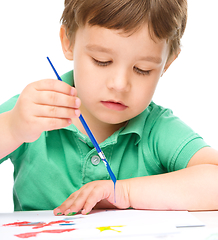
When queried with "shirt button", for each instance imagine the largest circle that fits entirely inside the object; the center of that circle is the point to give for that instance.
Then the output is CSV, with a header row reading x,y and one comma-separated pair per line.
x,y
95,160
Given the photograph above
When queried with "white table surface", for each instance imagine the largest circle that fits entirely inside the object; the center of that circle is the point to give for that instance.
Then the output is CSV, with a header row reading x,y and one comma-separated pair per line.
x,y
209,218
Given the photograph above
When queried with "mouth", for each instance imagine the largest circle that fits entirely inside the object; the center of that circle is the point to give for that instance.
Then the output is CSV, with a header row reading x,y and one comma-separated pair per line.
x,y
113,105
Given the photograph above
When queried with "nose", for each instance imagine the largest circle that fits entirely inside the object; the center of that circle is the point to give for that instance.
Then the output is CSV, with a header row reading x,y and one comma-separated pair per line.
x,y
119,81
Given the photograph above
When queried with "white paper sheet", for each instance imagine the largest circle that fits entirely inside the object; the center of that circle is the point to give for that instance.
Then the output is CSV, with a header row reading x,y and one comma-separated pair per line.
x,y
99,224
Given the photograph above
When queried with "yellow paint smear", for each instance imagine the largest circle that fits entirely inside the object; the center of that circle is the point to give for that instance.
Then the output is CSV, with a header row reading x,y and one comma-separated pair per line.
x,y
110,228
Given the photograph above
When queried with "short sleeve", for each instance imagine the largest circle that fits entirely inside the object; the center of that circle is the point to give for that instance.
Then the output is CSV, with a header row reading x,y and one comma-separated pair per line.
x,y
5,107
174,143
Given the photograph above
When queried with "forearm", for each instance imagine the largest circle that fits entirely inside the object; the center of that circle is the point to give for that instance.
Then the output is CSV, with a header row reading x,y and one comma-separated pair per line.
x,y
7,141
193,188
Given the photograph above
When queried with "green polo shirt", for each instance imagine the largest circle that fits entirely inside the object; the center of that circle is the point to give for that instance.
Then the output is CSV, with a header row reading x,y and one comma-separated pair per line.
x,y
60,162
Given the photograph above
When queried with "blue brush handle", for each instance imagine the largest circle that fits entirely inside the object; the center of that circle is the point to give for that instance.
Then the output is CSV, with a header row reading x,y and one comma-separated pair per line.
x,y
92,138
58,77
97,147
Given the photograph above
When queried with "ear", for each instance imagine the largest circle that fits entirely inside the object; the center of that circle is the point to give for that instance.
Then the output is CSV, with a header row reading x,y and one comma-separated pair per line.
x,y
170,60
65,42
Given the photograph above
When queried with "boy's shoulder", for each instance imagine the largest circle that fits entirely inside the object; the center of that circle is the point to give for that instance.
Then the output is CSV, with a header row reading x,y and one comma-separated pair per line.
x,y
157,122
160,119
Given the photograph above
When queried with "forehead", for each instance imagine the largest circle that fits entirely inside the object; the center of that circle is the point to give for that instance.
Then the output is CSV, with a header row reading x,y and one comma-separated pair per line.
x,y
101,39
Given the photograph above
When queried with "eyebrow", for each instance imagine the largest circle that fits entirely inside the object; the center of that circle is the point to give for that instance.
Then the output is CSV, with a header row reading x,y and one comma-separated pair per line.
x,y
157,60
97,48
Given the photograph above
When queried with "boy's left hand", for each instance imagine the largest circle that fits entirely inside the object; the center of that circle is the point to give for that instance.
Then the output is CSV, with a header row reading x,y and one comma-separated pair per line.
x,y
92,193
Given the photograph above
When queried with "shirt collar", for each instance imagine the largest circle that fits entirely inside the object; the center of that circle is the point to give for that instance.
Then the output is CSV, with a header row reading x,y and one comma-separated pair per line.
x,y
134,126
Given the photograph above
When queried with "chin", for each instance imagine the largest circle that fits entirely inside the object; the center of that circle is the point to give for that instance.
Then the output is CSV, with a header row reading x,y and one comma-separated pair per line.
x,y
113,119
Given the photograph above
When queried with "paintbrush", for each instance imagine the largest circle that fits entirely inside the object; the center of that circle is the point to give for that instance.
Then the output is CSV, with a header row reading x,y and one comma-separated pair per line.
x,y
92,138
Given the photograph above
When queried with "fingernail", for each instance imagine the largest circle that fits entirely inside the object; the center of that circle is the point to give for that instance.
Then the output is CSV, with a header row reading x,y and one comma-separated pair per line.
x,y
72,91
58,212
77,113
69,213
77,102
83,212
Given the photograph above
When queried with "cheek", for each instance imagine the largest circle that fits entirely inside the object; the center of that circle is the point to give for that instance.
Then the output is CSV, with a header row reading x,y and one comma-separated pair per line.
x,y
82,78
86,85
84,72
144,93
88,80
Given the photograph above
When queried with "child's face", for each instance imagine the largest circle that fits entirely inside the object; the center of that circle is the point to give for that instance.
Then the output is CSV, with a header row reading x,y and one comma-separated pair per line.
x,y
116,74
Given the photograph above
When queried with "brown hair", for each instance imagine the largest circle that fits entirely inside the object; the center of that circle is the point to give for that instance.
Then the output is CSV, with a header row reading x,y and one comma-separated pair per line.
x,y
166,18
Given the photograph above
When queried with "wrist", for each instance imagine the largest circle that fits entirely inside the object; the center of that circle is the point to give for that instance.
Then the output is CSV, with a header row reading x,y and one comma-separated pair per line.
x,y
12,128
123,186
7,141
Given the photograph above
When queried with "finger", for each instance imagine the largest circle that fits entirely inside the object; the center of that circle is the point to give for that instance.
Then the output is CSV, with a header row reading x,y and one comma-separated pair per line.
x,y
56,86
56,99
55,112
77,200
66,204
77,204
49,124
93,198
87,199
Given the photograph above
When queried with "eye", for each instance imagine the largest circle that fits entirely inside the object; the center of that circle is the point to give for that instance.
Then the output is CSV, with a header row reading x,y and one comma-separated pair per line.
x,y
141,72
101,63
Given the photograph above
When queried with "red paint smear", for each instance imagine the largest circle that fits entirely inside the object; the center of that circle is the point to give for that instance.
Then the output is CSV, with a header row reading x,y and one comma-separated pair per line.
x,y
34,234
22,224
35,225
51,223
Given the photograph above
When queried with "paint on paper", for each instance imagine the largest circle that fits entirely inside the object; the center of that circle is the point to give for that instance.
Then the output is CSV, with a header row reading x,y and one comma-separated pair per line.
x,y
34,234
109,228
36,225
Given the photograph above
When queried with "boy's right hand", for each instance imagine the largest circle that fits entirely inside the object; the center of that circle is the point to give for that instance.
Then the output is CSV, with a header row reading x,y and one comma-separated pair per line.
x,y
43,106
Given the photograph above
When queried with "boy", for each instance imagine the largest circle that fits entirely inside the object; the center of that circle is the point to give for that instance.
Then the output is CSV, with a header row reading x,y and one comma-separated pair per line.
x,y
120,49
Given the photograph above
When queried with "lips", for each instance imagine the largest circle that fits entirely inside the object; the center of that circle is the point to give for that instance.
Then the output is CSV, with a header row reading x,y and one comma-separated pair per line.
x,y
116,106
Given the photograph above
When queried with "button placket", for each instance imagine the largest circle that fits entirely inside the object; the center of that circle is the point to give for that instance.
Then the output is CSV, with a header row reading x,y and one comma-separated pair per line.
x,y
93,169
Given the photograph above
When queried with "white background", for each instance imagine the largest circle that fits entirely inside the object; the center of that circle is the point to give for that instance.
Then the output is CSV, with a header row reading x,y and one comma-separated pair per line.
x,y
30,33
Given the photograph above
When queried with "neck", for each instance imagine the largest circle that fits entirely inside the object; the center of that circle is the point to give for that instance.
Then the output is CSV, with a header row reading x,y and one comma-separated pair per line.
x,y
100,130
